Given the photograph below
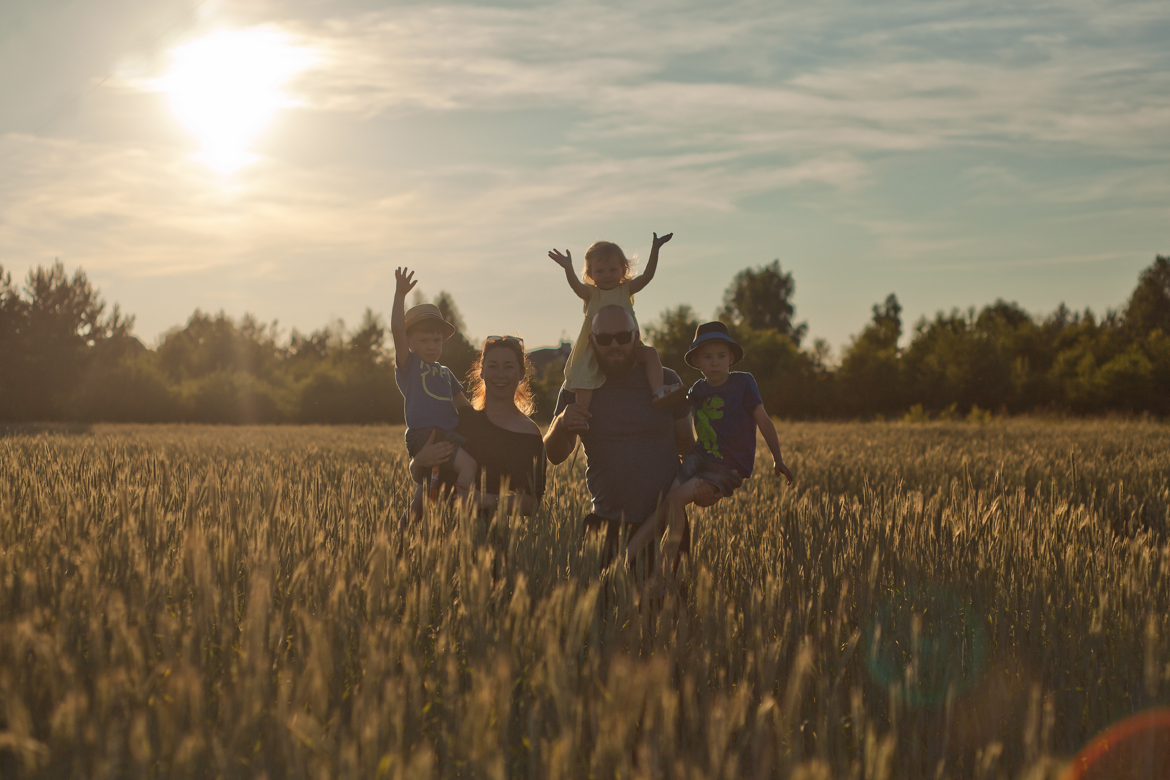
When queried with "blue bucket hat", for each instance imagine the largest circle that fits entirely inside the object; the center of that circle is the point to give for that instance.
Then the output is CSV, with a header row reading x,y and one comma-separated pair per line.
x,y
713,331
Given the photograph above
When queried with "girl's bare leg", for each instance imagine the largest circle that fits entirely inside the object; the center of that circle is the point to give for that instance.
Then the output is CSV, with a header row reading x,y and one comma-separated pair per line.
x,y
662,395
648,357
583,397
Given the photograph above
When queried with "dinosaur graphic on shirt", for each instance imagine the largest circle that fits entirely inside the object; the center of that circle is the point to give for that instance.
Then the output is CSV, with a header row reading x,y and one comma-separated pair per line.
x,y
712,409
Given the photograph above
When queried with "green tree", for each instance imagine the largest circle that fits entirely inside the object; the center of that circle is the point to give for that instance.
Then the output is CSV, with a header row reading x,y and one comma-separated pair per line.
x,y
209,344
353,383
12,317
124,383
47,338
790,381
227,372
1149,306
871,368
458,351
761,299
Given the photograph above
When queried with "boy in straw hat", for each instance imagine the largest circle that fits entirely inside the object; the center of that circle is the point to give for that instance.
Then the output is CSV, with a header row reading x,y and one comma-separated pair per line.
x,y
433,396
728,410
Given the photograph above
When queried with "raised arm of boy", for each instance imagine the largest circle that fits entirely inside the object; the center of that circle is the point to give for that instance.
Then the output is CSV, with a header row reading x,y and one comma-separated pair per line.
x,y
566,261
404,283
768,429
638,283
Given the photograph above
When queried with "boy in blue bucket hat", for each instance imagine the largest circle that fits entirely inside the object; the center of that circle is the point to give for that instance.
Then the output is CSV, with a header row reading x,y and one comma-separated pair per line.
x,y
728,409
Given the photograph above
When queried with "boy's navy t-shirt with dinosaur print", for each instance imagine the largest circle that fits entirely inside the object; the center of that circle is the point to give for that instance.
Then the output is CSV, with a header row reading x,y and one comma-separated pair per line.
x,y
724,425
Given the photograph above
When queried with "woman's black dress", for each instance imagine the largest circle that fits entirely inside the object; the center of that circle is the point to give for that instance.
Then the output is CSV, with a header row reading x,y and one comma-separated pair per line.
x,y
503,453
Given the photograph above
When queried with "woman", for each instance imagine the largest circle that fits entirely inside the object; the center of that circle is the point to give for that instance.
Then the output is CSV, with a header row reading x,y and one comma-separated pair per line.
x,y
501,437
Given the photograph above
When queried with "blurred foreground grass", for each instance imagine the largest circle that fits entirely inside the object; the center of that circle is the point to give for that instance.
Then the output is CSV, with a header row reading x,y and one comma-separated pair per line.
x,y
931,600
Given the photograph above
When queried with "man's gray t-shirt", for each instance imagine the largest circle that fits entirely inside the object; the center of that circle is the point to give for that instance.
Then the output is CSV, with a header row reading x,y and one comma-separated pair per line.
x,y
631,457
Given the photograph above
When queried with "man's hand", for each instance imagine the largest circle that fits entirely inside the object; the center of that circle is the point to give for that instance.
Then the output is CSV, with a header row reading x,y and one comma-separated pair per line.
x,y
658,242
564,261
561,438
783,471
404,278
575,418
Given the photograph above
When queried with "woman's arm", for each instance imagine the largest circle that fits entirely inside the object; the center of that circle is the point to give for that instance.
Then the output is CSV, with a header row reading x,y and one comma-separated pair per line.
x,y
639,283
566,261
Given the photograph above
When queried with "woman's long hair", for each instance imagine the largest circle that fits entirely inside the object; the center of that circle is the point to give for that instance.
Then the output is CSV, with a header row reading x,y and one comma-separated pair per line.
x,y
523,398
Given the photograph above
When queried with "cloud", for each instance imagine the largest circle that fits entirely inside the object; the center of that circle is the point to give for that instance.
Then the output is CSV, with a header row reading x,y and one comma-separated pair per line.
x,y
1127,187
900,82
687,110
155,211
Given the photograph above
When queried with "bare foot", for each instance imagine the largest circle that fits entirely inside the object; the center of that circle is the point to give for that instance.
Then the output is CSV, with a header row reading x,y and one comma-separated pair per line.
x,y
668,395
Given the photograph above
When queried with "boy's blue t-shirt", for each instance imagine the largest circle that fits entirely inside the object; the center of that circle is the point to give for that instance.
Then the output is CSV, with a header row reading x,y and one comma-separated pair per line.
x,y
724,425
429,390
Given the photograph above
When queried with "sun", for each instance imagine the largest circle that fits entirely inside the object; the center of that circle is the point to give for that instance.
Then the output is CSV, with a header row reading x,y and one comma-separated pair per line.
x,y
226,87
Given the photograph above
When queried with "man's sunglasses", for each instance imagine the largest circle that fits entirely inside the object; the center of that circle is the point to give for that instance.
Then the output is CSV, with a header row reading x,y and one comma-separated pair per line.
x,y
513,339
605,339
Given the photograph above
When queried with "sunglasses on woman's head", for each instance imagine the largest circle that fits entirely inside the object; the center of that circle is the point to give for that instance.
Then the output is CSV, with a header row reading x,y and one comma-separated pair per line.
x,y
605,339
513,339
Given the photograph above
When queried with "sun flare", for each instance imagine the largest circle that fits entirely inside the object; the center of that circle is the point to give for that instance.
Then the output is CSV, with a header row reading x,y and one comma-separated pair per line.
x,y
226,87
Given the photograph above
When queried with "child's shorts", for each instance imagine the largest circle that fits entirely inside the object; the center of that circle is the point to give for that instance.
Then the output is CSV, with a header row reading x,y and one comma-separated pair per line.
x,y
697,464
416,438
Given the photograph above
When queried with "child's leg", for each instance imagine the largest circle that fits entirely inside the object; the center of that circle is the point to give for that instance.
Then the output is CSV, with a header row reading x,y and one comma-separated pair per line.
x,y
663,395
676,517
671,514
584,397
465,468
648,356
651,528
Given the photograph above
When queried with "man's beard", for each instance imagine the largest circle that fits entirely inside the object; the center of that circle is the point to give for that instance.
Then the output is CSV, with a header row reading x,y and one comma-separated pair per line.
x,y
617,365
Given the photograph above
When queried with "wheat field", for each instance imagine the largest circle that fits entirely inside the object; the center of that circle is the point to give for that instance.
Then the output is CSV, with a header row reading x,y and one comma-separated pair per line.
x,y
938,600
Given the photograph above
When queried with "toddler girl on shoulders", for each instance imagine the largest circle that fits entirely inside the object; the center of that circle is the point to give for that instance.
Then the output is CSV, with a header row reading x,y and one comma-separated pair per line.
x,y
607,281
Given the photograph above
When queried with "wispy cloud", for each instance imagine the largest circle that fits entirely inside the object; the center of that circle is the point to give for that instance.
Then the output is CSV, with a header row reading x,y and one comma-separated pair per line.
x,y
661,108
902,82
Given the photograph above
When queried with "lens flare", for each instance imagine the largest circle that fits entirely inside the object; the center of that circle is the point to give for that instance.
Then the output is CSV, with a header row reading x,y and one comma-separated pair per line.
x,y
226,87
1133,749
926,641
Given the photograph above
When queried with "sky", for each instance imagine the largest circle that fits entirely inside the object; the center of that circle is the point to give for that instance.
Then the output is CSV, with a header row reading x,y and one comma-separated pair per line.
x,y
282,158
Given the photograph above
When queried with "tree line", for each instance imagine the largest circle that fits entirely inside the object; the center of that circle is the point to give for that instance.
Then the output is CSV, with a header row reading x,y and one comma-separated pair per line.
x,y
64,355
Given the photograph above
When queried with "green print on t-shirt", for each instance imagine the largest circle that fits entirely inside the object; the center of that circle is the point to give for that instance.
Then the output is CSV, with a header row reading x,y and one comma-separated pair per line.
x,y
712,409
426,371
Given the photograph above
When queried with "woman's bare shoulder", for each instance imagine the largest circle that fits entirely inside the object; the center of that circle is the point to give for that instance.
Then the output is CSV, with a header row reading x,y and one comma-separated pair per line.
x,y
514,422
529,425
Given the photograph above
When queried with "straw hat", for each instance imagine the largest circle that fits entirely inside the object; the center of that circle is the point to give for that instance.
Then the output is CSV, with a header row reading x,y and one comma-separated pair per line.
x,y
424,312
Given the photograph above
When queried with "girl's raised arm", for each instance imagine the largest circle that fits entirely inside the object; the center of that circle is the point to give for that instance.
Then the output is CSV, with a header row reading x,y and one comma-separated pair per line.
x,y
638,283
566,261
